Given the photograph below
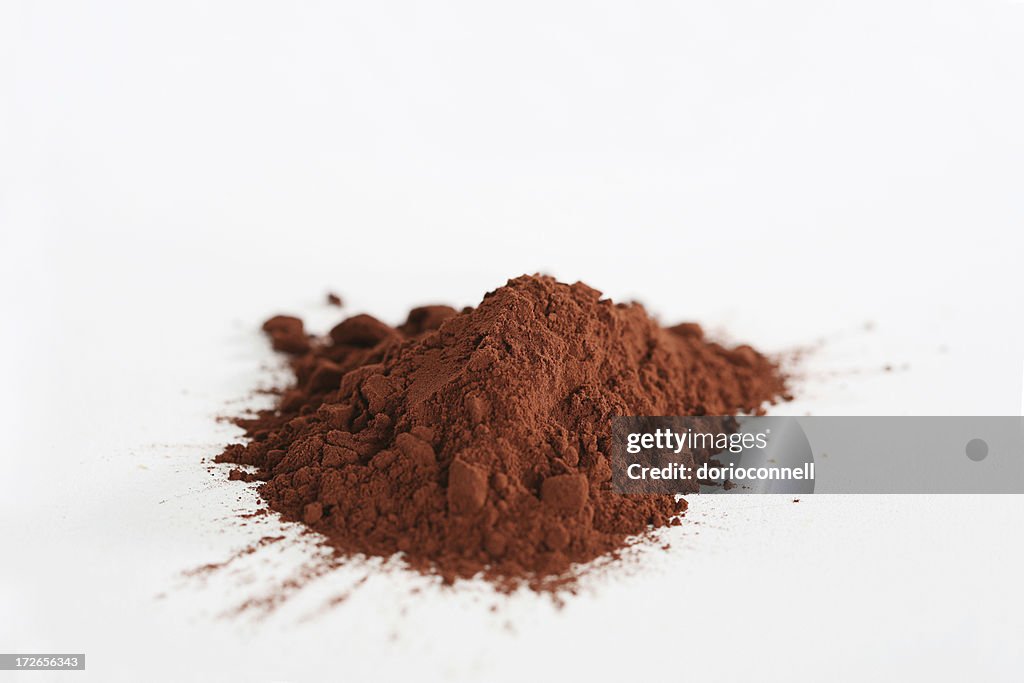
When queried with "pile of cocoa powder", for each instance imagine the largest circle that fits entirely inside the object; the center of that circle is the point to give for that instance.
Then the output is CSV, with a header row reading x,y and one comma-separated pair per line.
x,y
475,442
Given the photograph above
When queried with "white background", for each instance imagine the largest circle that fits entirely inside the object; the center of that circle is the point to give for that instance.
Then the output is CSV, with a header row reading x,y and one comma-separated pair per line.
x,y
173,173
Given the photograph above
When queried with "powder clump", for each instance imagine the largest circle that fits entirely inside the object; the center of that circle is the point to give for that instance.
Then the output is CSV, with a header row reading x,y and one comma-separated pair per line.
x,y
476,441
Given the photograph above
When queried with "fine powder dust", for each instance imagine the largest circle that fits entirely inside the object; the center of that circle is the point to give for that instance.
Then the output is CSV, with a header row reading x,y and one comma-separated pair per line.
x,y
475,442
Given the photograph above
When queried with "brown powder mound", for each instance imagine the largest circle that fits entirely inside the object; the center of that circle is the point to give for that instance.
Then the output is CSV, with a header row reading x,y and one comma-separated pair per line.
x,y
475,441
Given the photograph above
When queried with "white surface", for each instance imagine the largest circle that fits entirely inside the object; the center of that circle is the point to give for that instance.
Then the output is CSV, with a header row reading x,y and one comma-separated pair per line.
x,y
173,174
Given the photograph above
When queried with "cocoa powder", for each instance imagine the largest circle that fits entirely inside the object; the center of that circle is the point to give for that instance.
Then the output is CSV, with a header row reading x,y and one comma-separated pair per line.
x,y
475,442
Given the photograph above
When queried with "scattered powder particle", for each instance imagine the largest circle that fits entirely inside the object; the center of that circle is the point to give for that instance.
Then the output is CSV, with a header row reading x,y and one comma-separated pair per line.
x,y
475,442
334,300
